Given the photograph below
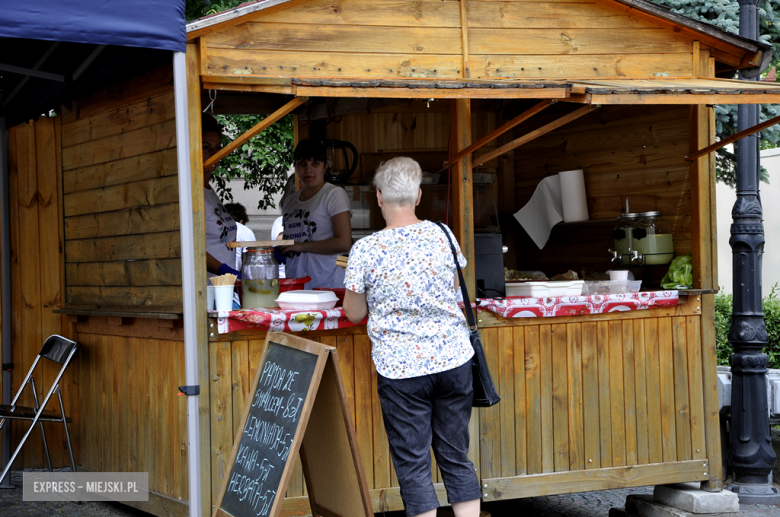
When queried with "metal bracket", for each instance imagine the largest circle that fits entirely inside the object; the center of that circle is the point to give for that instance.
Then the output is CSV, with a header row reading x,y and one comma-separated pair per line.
x,y
189,390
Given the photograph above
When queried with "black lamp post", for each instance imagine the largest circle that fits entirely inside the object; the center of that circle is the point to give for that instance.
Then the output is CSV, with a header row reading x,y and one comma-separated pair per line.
x,y
750,456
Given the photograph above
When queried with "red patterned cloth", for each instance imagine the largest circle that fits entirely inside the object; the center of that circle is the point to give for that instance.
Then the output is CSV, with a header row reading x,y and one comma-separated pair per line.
x,y
278,320
527,307
515,307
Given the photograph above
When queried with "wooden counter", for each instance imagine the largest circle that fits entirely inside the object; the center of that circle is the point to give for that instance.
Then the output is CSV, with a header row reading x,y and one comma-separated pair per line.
x,y
588,403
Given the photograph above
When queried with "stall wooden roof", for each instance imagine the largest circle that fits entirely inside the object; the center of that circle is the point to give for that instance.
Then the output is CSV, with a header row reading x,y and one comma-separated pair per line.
x,y
476,49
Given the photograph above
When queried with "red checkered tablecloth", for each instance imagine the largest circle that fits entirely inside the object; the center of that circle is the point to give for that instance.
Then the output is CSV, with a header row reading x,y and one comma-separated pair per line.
x,y
527,307
278,320
516,307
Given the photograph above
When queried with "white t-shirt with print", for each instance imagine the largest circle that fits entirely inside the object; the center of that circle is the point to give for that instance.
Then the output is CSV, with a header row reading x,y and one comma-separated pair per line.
x,y
220,229
414,321
310,221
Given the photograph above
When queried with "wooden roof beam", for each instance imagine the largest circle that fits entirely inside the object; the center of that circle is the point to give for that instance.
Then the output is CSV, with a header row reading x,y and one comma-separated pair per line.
x,y
534,134
262,125
500,131
434,93
32,72
733,138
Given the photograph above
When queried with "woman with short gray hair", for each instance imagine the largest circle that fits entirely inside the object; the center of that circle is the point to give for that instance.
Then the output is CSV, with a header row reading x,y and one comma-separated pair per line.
x,y
398,180
404,277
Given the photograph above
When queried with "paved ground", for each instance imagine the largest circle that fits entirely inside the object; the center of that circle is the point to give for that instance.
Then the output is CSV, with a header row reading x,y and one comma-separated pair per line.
x,y
11,505
589,504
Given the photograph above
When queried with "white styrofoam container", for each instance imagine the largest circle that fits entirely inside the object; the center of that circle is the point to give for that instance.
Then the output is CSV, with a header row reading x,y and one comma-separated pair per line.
x,y
545,289
307,300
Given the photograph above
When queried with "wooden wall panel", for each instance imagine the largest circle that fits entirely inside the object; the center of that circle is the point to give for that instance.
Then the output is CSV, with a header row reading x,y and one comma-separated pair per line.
x,y
414,128
547,15
120,201
533,400
492,41
627,153
420,130
512,415
609,395
491,451
36,280
135,168
298,37
27,192
571,65
590,406
400,13
407,38
606,393
137,423
233,365
276,63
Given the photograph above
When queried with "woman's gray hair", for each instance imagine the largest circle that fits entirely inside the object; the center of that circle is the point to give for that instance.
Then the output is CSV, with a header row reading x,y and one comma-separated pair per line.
x,y
398,179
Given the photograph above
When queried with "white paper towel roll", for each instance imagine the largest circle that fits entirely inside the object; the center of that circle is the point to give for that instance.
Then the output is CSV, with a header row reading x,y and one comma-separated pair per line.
x,y
543,211
557,198
575,203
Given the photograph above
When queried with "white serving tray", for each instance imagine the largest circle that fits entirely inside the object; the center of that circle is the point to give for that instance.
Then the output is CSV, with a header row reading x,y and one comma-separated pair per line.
x,y
305,300
545,289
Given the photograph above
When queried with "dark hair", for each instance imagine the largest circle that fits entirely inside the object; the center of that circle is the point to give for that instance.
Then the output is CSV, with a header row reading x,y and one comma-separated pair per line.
x,y
237,212
210,125
309,149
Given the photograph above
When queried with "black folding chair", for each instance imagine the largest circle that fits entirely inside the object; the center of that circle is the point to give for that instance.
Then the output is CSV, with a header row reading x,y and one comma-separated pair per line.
x,y
61,351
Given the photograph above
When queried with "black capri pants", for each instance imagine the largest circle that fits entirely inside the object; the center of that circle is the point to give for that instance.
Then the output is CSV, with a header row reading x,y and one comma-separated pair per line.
x,y
430,410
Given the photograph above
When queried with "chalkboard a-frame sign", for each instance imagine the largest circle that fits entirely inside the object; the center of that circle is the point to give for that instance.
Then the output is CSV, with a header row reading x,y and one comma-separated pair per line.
x,y
298,403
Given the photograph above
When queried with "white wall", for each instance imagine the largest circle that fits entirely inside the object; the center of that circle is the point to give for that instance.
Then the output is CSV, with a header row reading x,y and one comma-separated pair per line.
x,y
770,198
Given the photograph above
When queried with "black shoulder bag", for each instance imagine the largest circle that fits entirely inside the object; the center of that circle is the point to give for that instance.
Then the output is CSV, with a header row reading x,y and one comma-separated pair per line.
x,y
485,394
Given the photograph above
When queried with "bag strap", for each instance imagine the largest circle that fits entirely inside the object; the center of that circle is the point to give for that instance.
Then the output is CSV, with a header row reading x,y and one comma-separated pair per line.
x,y
469,313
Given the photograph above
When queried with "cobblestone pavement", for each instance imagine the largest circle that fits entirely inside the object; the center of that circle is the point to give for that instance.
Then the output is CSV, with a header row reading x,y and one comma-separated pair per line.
x,y
590,504
587,504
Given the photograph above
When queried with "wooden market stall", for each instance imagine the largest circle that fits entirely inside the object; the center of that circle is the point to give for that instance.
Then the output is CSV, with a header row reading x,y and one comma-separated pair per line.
x,y
589,401
622,89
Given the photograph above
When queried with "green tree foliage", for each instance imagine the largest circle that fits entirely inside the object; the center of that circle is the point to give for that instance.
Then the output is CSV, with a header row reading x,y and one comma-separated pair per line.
x,y
194,9
725,14
263,161
724,307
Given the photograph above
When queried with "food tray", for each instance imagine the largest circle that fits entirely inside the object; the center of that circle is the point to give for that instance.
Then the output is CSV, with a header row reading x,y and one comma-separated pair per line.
x,y
339,291
611,287
307,300
544,289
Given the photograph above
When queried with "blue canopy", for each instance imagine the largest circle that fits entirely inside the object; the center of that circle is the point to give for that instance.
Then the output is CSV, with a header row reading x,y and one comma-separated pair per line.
x,y
155,24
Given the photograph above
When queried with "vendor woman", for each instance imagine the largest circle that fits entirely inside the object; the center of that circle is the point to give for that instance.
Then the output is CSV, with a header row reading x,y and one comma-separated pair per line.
x,y
317,218
220,226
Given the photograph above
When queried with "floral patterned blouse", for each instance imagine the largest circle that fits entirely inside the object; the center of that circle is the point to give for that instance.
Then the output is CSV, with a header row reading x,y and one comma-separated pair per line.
x,y
414,321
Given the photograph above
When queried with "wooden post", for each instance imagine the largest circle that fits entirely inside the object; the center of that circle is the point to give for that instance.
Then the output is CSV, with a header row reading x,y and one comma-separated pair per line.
x,y
462,191
700,207
199,221
506,201
709,358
